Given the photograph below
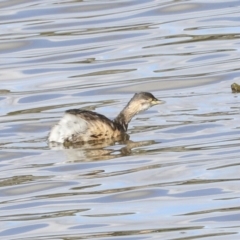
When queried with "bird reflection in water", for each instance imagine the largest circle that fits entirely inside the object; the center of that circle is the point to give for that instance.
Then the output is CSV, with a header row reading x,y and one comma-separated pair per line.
x,y
104,150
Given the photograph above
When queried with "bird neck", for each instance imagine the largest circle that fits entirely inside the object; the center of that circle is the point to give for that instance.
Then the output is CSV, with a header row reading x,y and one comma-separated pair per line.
x,y
126,115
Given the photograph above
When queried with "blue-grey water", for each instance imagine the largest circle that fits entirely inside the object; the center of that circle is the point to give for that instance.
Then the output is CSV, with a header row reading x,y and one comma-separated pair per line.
x,y
179,177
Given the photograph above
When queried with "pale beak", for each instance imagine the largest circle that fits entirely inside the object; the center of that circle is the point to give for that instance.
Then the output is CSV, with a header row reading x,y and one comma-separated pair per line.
x,y
155,101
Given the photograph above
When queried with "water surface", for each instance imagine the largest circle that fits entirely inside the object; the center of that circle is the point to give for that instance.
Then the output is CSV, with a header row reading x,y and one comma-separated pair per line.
x,y
178,178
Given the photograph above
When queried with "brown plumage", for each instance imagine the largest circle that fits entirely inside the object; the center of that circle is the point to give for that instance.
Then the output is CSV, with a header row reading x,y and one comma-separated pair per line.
x,y
99,126
85,126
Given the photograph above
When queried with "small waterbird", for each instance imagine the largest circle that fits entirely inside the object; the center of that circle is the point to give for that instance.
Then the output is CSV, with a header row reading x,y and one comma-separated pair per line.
x,y
86,126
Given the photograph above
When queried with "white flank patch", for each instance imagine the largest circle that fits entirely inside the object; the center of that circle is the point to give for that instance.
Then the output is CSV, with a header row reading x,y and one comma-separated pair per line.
x,y
68,126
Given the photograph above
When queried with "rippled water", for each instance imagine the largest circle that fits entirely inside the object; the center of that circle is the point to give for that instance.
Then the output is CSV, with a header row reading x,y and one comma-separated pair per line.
x,y
178,178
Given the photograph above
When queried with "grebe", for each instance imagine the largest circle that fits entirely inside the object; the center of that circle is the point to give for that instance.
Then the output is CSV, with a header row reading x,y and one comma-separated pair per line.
x,y
85,126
